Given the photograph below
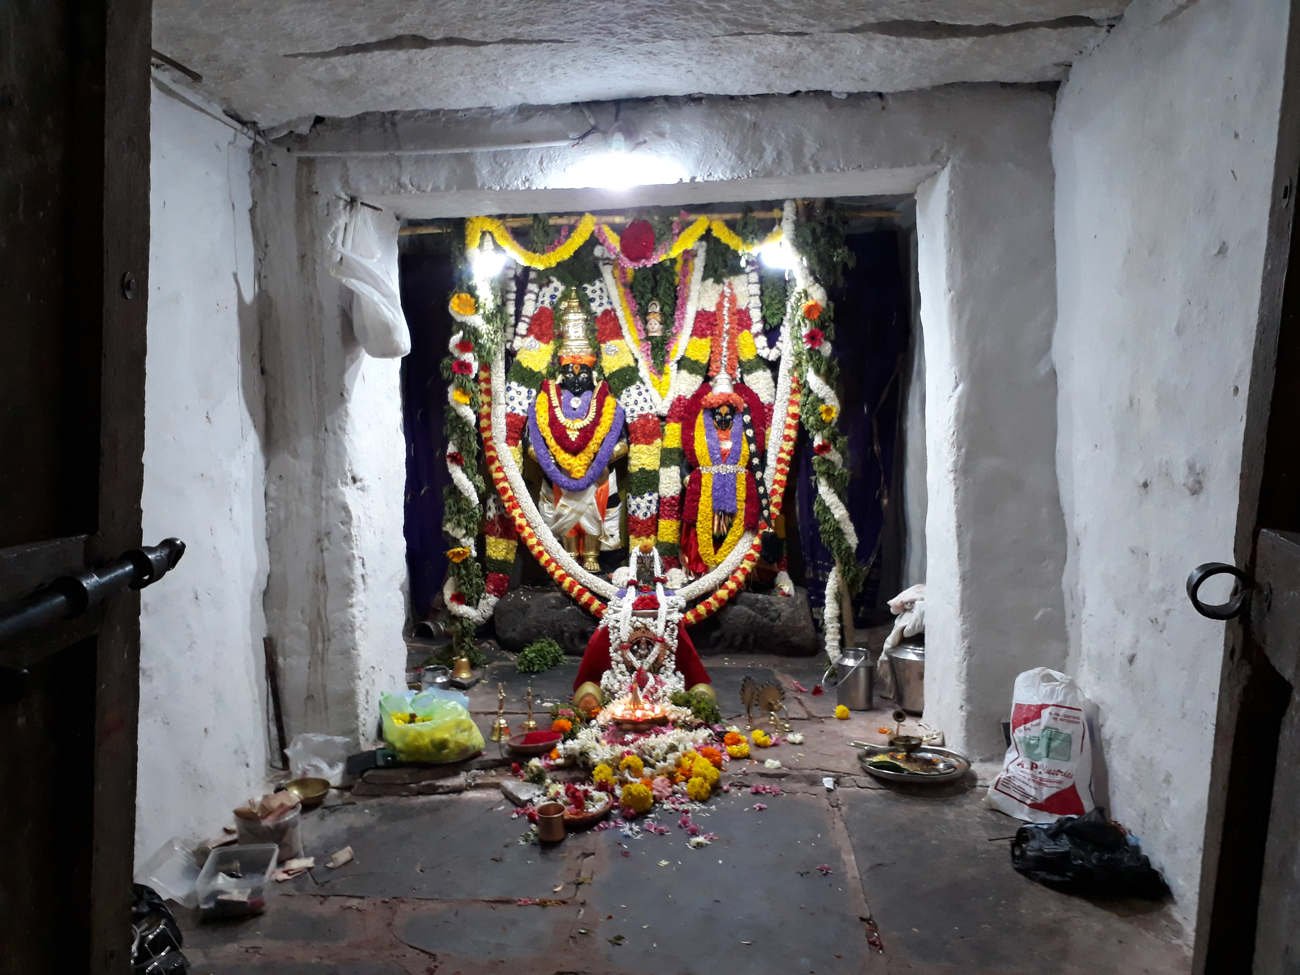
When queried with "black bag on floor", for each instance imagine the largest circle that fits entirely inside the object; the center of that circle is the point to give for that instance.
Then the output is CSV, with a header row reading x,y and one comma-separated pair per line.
x,y
1085,855
156,938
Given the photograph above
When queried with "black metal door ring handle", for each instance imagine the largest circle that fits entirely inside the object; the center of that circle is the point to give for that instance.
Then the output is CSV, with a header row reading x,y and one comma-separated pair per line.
x,y
1236,604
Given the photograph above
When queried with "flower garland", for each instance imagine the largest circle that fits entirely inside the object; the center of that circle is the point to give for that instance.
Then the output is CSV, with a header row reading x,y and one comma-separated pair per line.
x,y
564,249
668,250
618,284
644,431
733,240
470,597
706,448
564,467
813,349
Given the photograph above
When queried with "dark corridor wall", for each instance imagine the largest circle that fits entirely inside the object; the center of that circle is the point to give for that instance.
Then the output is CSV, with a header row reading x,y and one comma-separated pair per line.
x,y
873,322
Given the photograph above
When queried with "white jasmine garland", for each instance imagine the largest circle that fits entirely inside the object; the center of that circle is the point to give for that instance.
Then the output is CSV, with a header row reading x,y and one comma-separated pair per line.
x,y
831,615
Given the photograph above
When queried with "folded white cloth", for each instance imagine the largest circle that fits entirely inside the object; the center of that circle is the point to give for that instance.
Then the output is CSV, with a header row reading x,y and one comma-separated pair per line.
x,y
908,608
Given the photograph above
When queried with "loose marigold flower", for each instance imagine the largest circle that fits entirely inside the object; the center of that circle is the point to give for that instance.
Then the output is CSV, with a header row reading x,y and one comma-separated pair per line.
x,y
812,310
841,712
738,751
463,304
698,790
562,725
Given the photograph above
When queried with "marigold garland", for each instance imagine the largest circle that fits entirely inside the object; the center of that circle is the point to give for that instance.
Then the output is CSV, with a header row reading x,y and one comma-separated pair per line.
x,y
476,227
688,237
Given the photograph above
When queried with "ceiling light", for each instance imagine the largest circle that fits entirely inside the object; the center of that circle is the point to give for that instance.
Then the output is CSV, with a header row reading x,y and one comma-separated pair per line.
x,y
777,255
618,170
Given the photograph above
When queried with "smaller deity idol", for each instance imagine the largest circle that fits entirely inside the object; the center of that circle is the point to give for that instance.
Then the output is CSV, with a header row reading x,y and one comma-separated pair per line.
x,y
641,648
723,447
575,431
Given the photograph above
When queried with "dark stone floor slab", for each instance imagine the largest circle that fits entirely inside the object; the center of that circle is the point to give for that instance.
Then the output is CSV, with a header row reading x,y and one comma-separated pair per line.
x,y
464,933
277,966
555,684
462,847
947,900
757,883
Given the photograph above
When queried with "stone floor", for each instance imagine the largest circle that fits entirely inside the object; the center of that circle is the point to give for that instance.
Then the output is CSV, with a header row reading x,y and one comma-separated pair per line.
x,y
859,879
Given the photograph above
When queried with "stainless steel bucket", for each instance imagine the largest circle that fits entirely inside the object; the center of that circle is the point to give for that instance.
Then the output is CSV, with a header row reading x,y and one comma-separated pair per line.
x,y
855,678
907,664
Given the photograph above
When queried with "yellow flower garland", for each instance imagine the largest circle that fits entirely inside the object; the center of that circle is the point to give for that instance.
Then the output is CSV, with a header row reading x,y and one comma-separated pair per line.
x,y
733,240
476,227
704,516
575,465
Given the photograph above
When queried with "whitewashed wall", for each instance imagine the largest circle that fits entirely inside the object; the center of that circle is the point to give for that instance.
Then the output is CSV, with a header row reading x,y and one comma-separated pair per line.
x,y
202,733
995,542
1163,143
336,472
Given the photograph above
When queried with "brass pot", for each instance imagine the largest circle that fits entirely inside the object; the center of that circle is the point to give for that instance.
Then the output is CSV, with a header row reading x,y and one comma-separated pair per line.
x,y
550,822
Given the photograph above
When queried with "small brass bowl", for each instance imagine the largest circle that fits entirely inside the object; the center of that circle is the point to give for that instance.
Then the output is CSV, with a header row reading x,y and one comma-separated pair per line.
x,y
905,743
311,792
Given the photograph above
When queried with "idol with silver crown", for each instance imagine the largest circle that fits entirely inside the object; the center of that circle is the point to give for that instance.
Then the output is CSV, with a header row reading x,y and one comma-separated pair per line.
x,y
724,440
576,433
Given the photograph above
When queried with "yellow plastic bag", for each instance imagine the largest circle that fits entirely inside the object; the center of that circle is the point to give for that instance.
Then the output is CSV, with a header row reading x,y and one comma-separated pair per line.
x,y
431,726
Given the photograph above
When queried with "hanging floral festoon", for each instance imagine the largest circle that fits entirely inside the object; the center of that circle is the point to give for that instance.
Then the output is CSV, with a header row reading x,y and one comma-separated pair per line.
x,y
695,371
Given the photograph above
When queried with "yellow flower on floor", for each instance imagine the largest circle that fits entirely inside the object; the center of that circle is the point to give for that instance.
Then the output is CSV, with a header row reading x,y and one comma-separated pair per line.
x,y
633,764
761,738
461,396
828,413
738,751
463,304
458,554
636,798
602,774
697,790
841,712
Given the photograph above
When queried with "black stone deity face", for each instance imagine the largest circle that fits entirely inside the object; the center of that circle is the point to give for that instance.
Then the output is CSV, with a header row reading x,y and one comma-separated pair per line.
x,y
577,378
723,414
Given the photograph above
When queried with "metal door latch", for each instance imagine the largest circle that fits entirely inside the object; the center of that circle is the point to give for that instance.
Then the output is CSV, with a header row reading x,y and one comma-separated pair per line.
x,y
1237,600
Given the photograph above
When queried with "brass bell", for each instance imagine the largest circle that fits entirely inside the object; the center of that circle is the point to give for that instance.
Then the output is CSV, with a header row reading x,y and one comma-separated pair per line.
x,y
461,668
500,729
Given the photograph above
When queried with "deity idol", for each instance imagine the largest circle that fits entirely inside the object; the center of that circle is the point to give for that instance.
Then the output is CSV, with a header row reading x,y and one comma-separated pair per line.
x,y
575,431
723,442
641,650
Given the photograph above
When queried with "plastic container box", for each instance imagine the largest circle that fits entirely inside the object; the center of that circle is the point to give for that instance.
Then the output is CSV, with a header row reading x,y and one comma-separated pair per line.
x,y
172,872
234,880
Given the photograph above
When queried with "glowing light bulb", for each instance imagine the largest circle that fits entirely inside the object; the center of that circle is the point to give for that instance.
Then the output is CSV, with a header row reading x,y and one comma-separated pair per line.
x,y
778,255
487,261
618,170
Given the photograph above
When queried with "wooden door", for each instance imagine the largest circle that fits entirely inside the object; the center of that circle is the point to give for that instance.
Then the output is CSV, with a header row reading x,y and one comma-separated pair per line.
x,y
1249,913
74,235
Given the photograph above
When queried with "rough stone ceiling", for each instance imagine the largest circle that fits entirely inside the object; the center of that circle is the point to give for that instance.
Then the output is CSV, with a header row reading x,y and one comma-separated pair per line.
x,y
274,62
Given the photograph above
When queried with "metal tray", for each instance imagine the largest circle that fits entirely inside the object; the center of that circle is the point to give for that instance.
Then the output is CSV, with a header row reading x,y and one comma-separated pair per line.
x,y
960,766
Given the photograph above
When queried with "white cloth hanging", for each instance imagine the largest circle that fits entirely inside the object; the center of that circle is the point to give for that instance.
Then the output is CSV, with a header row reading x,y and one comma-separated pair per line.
x,y
364,257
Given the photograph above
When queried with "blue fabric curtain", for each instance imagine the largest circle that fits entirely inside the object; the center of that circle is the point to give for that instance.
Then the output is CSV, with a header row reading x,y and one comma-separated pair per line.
x,y
427,278
872,330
